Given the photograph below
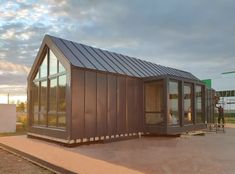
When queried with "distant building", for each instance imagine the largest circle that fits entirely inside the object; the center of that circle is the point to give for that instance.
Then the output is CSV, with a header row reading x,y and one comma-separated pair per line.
x,y
7,118
77,93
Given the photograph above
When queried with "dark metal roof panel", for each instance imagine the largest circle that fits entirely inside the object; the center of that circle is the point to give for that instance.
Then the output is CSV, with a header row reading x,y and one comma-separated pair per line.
x,y
156,70
109,61
134,65
78,55
128,65
139,66
146,67
89,57
94,58
67,53
125,68
99,58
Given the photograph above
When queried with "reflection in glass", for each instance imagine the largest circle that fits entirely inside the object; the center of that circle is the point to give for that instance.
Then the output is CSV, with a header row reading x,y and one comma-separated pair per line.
x,y
62,92
61,67
188,103
62,120
37,75
49,93
53,63
153,102
173,103
52,96
43,68
52,118
43,102
62,101
35,101
199,114
35,118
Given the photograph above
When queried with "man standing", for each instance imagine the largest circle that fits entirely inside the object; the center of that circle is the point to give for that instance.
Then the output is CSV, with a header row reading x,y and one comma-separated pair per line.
x,y
221,115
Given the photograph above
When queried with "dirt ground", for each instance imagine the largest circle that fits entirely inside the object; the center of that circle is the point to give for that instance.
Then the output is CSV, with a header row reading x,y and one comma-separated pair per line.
x,y
12,164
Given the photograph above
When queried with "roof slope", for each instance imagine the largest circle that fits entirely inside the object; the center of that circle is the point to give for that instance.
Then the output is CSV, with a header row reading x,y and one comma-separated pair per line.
x,y
84,56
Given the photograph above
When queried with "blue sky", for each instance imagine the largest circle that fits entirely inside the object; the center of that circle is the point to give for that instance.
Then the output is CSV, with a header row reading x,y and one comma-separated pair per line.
x,y
196,36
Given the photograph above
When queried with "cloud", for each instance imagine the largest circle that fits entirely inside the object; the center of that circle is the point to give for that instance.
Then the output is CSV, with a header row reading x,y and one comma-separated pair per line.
x,y
12,89
13,68
13,77
196,36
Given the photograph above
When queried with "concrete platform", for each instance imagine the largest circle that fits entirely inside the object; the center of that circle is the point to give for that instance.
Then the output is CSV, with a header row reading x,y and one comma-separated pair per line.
x,y
209,154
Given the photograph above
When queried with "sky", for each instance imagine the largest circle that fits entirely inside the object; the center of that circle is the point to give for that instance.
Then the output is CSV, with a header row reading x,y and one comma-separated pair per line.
x,y
196,36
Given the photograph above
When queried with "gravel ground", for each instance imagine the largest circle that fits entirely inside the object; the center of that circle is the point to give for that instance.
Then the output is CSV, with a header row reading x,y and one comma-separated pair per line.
x,y
12,164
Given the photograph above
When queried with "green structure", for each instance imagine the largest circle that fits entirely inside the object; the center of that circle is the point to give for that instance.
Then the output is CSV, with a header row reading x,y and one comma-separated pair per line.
x,y
207,82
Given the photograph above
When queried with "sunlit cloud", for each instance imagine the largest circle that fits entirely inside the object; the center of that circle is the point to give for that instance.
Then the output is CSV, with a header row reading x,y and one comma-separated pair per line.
x,y
12,89
9,67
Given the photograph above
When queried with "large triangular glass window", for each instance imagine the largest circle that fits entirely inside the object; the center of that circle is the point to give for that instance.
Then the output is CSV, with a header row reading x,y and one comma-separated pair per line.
x,y
49,93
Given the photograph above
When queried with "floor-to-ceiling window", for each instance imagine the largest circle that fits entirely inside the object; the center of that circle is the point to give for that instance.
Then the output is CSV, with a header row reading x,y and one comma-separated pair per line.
x,y
188,104
49,93
154,102
198,106
173,114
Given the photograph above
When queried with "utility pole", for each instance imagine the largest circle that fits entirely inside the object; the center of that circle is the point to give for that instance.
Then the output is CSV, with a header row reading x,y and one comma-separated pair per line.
x,y
8,98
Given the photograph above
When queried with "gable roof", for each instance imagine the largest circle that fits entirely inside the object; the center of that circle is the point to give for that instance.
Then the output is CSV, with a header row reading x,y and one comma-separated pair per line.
x,y
84,56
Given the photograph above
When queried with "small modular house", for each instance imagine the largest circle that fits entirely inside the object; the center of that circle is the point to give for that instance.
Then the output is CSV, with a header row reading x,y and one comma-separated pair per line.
x,y
78,93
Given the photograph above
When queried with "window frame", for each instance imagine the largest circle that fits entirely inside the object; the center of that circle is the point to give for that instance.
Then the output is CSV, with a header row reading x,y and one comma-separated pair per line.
x,y
48,78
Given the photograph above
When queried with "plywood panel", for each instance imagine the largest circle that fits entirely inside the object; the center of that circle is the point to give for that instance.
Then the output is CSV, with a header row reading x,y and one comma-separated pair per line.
x,y
112,104
90,104
121,105
101,104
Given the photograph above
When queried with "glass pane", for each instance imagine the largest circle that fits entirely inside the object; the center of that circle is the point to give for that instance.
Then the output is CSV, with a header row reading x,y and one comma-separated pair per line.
x,y
52,96
173,103
43,68
62,94
43,102
43,118
35,102
153,118
52,119
35,118
52,116
62,120
53,63
37,75
35,90
188,103
199,115
61,67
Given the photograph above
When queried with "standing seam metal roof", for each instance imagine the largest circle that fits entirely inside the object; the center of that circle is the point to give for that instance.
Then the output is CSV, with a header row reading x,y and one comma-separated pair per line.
x,y
94,58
